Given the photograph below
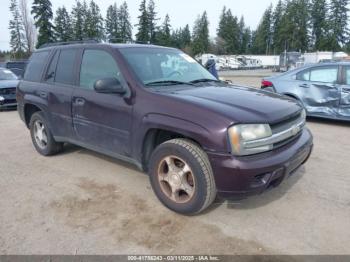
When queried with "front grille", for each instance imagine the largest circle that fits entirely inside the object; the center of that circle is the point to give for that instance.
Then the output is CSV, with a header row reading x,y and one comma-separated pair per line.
x,y
10,101
8,91
285,125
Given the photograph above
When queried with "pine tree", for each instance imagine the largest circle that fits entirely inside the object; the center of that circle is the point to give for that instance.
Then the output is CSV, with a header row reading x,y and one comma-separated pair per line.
x,y
201,43
112,24
319,23
338,23
143,25
181,38
185,37
246,41
124,23
262,41
86,19
42,11
17,43
244,36
152,20
229,32
163,36
278,45
63,25
94,22
78,21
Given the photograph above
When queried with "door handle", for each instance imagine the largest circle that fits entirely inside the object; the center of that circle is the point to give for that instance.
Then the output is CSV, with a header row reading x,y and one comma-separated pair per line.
x,y
79,101
42,94
304,85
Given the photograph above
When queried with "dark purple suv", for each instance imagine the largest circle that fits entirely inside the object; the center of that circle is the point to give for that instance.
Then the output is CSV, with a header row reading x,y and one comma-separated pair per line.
x,y
160,110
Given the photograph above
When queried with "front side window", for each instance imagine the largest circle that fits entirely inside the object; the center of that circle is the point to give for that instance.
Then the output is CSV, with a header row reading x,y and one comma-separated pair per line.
x,y
98,64
162,64
35,67
324,75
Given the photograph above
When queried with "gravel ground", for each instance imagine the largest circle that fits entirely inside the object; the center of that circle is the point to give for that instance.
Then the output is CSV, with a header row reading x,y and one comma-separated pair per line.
x,y
246,77
80,202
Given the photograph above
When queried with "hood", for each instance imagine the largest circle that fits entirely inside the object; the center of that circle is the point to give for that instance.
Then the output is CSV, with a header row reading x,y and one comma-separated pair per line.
x,y
241,104
8,83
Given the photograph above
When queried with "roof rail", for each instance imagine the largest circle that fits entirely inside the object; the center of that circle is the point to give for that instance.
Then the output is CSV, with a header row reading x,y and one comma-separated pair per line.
x,y
85,41
123,41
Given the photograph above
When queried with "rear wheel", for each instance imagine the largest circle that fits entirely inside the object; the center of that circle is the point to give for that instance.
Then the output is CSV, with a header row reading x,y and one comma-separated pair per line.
x,y
181,176
42,138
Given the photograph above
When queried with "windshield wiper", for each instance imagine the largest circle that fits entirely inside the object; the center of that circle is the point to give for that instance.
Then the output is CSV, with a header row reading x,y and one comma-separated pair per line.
x,y
205,80
168,82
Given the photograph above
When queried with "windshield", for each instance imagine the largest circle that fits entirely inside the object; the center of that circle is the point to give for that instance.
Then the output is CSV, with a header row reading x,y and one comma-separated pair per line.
x,y
162,65
6,74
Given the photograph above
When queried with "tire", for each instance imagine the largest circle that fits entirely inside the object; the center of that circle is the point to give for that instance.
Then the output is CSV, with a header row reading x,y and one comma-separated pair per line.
x,y
181,161
45,144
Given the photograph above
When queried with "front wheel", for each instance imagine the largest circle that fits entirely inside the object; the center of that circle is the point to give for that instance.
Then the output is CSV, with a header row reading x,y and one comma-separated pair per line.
x,y
181,176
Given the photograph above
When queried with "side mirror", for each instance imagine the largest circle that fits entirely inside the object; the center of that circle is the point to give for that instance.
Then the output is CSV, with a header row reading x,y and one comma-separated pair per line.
x,y
109,85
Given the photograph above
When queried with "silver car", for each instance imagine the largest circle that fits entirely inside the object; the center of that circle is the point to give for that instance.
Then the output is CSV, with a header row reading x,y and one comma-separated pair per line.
x,y
323,89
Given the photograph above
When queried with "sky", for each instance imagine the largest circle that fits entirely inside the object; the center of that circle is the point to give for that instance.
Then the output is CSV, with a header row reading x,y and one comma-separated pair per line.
x,y
181,12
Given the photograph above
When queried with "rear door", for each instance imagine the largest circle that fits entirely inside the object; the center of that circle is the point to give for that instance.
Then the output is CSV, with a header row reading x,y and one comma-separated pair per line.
x,y
101,121
320,89
344,106
61,76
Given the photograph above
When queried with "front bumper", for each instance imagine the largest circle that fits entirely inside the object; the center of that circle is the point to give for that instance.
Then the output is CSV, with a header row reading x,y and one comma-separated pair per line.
x,y
7,104
252,175
8,101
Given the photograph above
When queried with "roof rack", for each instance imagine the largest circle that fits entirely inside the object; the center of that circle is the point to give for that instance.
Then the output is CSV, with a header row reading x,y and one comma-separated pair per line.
x,y
87,41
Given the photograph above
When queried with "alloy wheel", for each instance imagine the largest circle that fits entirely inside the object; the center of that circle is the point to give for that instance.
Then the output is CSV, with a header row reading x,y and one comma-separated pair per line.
x,y
176,179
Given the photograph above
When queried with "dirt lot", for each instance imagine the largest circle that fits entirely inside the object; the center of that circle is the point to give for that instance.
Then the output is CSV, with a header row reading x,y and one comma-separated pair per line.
x,y
246,77
80,202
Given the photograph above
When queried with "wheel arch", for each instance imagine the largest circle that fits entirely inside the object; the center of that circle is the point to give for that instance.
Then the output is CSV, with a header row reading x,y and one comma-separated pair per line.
x,y
156,136
29,109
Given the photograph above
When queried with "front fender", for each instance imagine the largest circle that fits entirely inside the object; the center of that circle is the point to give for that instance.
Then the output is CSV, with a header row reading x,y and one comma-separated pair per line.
x,y
210,142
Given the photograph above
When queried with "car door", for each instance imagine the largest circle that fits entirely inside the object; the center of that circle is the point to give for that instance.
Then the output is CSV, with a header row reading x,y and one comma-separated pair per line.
x,y
319,89
61,78
102,121
344,105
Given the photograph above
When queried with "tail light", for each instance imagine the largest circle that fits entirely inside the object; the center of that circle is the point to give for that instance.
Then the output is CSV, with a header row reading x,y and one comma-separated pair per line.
x,y
265,83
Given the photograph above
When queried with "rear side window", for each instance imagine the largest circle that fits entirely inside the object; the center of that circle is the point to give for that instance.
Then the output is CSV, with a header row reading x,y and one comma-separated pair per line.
x,y
304,76
50,75
98,64
35,67
65,67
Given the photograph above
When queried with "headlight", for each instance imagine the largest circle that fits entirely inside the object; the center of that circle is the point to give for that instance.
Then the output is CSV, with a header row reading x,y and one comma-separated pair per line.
x,y
239,134
2,98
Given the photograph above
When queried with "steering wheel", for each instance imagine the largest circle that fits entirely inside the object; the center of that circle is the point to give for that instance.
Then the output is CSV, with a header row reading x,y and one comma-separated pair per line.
x,y
173,73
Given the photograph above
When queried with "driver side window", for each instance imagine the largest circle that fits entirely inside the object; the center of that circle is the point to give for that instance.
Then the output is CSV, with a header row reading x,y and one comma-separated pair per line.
x,y
97,64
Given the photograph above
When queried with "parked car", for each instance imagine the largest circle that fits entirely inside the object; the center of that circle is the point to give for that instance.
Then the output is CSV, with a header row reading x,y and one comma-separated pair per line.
x,y
17,67
323,89
8,84
195,136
